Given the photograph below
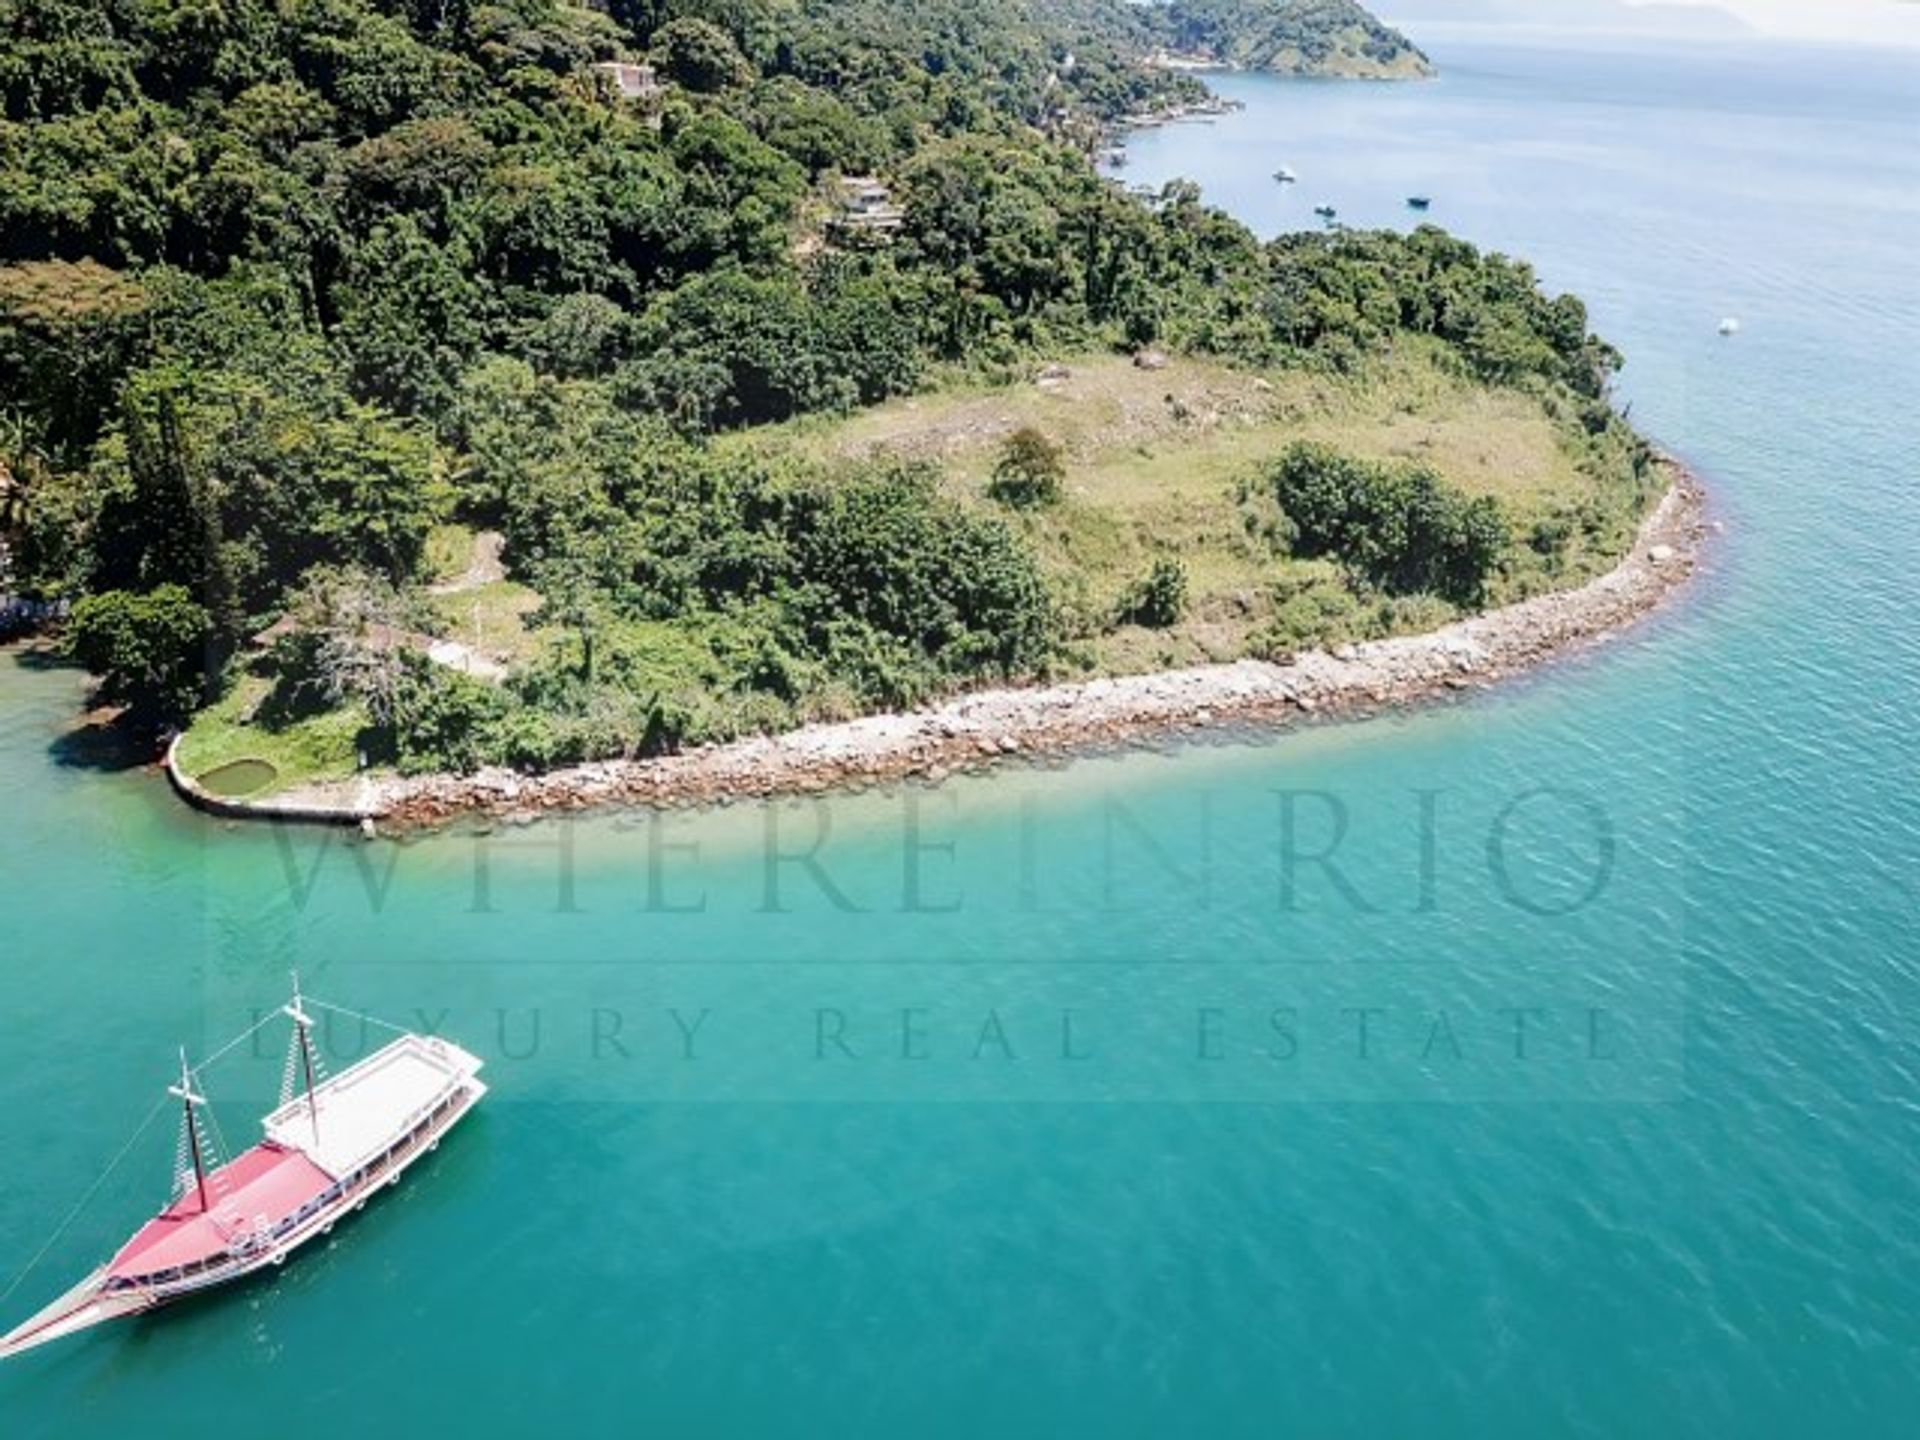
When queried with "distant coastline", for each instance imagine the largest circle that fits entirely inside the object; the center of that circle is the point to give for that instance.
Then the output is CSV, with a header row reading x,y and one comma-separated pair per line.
x,y
978,730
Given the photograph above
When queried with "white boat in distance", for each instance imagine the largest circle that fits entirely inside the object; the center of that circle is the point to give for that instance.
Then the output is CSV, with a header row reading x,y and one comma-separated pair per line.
x,y
330,1145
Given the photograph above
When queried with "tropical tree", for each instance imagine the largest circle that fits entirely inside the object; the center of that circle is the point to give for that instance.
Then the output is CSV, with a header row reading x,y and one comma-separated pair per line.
x,y
17,463
148,649
700,56
346,642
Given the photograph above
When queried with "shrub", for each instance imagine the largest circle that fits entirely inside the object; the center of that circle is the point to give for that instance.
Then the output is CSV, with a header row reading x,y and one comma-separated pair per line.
x,y
1400,527
1315,614
445,722
1030,471
1159,598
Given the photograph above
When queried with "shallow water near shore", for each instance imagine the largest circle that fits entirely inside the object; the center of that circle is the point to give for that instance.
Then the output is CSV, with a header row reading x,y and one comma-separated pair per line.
x,y
1572,1089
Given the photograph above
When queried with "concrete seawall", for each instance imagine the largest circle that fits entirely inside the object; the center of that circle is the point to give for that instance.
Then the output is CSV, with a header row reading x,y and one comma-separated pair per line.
x,y
337,809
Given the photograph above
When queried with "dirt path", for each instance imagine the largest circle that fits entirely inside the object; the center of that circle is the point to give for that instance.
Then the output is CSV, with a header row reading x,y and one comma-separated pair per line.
x,y
484,569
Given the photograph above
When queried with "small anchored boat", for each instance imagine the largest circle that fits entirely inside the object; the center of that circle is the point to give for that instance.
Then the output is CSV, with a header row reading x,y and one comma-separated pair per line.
x,y
330,1145
1285,176
1730,326
1419,202
1325,212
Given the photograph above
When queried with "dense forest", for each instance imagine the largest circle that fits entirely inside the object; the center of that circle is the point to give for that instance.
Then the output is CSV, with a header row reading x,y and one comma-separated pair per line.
x,y
286,286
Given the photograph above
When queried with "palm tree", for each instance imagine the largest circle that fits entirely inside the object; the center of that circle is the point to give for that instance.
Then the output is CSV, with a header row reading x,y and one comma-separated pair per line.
x,y
20,462
12,517
13,501
17,461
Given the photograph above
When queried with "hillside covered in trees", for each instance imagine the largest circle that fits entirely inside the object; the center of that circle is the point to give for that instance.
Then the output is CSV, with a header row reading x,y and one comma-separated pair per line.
x,y
297,297
1291,37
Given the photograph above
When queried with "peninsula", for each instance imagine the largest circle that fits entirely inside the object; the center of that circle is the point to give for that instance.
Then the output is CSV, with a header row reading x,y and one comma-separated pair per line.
x,y
1336,39
535,388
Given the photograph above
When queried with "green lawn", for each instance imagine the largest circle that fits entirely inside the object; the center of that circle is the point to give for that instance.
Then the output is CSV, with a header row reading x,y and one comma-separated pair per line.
x,y
1155,462
324,747
494,619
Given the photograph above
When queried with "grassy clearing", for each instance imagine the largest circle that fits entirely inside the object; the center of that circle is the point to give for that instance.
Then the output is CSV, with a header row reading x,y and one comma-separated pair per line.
x,y
325,747
474,603
1194,421
494,619
449,553
1155,463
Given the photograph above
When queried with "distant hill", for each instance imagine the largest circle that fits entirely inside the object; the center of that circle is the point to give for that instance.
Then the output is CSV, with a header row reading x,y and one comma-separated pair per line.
x,y
1292,37
1610,16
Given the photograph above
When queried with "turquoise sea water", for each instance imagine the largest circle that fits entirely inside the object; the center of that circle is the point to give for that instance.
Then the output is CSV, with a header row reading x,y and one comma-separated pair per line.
x,y
1579,1095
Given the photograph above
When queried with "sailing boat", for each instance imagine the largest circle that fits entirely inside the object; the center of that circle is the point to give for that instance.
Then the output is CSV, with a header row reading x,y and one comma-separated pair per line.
x,y
330,1145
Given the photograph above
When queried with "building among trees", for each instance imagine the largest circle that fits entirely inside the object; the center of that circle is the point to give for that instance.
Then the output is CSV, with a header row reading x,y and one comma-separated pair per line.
x,y
634,82
866,209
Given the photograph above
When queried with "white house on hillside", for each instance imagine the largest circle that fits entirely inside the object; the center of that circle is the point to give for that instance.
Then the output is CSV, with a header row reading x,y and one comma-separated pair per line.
x,y
634,82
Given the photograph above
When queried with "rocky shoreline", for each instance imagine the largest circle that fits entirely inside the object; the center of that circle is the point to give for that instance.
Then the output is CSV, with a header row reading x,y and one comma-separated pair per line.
x,y
978,730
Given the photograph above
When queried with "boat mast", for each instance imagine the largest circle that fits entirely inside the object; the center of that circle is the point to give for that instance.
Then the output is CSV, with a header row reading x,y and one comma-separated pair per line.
x,y
303,1040
184,1092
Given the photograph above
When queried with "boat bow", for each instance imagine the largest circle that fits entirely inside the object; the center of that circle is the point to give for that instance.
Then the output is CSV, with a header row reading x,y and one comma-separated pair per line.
x,y
85,1305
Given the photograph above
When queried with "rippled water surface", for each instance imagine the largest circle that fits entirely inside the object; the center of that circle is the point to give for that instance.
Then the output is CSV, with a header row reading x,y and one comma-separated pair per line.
x,y
1574,1092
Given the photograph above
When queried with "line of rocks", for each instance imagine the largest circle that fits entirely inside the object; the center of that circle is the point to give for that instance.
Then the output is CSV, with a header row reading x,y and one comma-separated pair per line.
x,y
987,728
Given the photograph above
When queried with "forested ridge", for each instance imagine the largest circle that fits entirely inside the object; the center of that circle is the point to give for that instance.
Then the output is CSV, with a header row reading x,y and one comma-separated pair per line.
x,y
287,287
1294,36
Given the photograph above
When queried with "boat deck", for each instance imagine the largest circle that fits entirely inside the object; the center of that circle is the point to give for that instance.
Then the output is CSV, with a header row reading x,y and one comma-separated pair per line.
x,y
266,1184
367,1108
